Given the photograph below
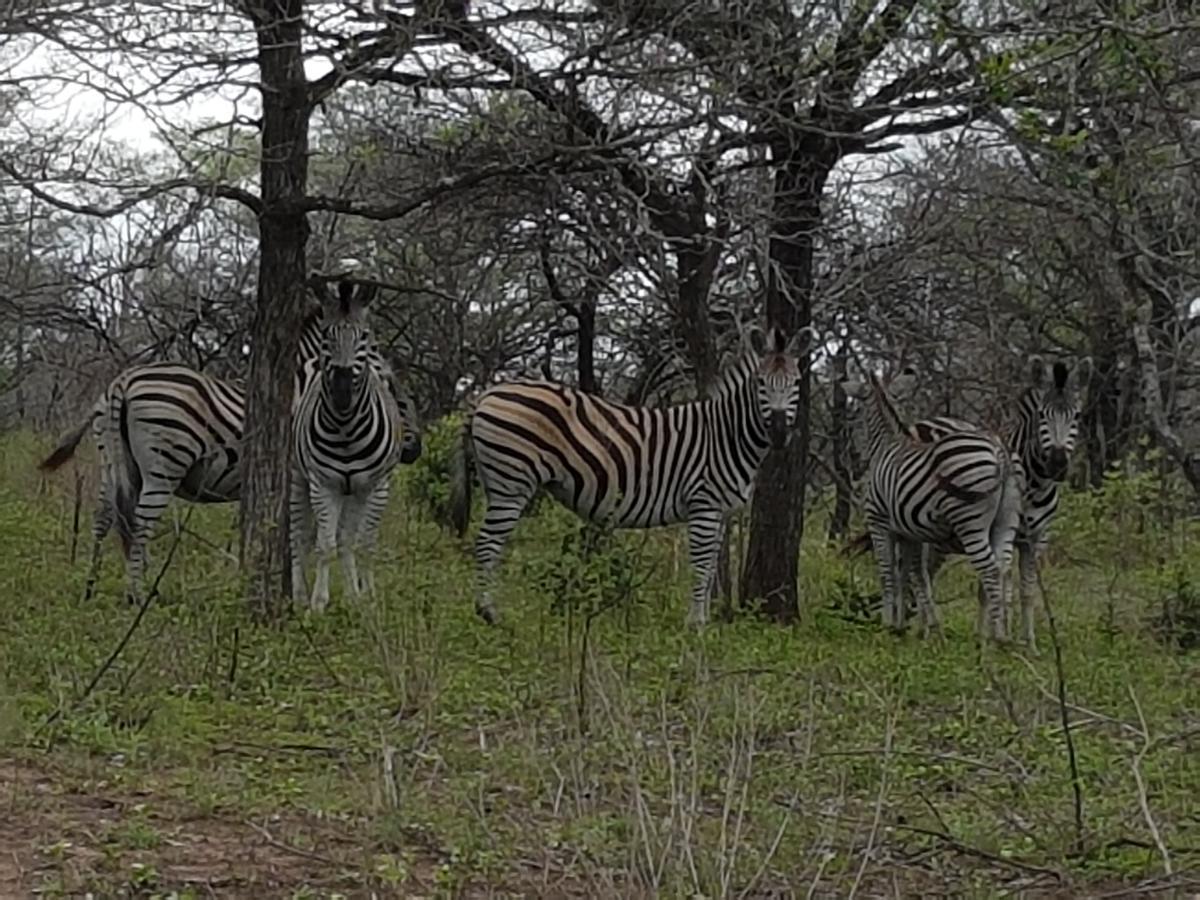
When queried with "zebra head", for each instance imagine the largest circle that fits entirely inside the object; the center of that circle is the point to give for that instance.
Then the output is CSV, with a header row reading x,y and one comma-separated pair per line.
x,y
346,346
777,382
1054,410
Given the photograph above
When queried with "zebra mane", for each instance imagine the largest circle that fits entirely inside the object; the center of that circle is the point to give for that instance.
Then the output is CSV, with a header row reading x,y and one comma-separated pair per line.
x,y
734,376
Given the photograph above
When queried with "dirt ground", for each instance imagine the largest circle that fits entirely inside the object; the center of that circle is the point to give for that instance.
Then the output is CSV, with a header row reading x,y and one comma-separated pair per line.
x,y
56,840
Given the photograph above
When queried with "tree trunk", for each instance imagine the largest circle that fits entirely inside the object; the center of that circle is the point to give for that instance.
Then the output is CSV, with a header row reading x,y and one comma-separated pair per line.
x,y
275,331
585,345
839,416
777,511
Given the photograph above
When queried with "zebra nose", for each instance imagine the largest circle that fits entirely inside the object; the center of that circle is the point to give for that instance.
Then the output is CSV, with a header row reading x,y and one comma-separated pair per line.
x,y
410,450
1057,462
777,428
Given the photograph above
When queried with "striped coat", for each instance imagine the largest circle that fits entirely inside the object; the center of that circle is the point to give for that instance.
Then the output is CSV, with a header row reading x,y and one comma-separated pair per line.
x,y
162,430
627,466
348,435
946,489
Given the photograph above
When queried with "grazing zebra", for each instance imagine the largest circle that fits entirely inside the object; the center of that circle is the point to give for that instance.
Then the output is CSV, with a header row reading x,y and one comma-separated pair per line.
x,y
348,435
627,466
164,429
944,484
1042,435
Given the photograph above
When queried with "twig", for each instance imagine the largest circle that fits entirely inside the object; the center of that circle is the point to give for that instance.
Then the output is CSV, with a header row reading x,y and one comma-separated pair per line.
x,y
879,798
1143,799
1068,736
289,848
121,644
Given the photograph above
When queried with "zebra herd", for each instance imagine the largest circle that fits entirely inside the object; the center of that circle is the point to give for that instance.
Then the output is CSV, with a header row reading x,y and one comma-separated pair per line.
x,y
934,487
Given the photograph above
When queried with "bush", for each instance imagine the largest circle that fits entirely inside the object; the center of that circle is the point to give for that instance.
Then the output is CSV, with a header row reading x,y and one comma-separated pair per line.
x,y
427,481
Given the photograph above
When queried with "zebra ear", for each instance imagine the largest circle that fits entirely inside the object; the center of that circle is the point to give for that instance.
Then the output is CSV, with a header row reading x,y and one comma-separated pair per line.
x,y
904,384
1037,370
800,341
758,343
366,294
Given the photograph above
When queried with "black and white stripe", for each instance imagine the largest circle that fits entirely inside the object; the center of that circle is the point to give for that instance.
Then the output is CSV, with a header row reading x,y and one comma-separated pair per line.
x,y
627,466
162,430
349,433
951,486
1042,434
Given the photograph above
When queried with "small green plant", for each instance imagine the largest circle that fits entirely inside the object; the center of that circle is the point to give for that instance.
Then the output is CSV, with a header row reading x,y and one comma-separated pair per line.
x,y
427,481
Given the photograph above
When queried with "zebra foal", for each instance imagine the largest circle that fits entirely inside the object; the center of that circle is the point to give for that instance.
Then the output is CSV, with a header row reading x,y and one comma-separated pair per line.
x,y
348,435
627,466
942,484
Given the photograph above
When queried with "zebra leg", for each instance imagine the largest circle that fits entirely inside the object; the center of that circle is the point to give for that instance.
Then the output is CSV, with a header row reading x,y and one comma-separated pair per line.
x,y
300,535
368,534
102,523
1029,555
327,510
930,623
349,530
885,559
704,545
499,519
151,504
991,603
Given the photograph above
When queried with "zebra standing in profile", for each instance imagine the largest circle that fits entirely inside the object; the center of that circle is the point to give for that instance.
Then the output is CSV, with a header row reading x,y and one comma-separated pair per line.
x,y
1042,435
348,435
627,466
162,430
956,490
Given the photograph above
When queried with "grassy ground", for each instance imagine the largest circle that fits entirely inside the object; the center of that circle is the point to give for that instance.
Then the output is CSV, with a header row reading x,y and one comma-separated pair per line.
x,y
590,747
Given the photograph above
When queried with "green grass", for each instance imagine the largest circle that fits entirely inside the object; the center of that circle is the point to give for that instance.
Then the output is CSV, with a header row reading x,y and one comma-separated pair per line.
x,y
591,743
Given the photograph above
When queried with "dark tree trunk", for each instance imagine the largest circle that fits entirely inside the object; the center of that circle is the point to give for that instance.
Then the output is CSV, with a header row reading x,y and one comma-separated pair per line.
x,y
283,236
1102,418
777,511
839,416
585,344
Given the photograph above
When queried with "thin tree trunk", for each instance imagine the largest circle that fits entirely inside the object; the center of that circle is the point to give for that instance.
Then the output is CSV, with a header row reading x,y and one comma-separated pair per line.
x,y
770,569
839,416
283,235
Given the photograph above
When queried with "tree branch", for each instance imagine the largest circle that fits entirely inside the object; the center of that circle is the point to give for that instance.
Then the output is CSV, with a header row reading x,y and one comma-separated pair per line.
x,y
216,189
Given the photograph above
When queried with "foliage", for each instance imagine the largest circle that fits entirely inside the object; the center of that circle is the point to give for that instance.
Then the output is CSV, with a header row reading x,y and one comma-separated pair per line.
x,y
426,482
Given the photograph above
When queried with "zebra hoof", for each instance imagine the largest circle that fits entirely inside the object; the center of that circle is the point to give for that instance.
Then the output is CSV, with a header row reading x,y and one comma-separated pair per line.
x,y
488,614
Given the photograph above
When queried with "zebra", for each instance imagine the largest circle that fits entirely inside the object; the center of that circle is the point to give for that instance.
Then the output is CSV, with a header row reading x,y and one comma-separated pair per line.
x,y
943,484
627,466
348,434
1042,436
164,429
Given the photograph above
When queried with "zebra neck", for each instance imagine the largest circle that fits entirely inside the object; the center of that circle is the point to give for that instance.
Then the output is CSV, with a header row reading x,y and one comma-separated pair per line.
x,y
732,417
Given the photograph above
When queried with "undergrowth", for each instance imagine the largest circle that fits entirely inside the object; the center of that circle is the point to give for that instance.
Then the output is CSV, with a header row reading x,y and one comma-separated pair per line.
x,y
592,741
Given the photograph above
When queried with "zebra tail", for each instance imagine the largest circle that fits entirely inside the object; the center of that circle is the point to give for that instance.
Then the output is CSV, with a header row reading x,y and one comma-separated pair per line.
x,y
857,546
460,482
125,474
61,454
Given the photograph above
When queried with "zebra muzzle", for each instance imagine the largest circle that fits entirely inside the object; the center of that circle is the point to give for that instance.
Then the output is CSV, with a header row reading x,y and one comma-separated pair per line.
x,y
341,387
777,430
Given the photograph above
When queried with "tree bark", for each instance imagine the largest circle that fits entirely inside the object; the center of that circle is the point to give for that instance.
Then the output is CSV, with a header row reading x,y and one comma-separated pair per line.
x,y
275,331
1187,460
777,510
839,416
